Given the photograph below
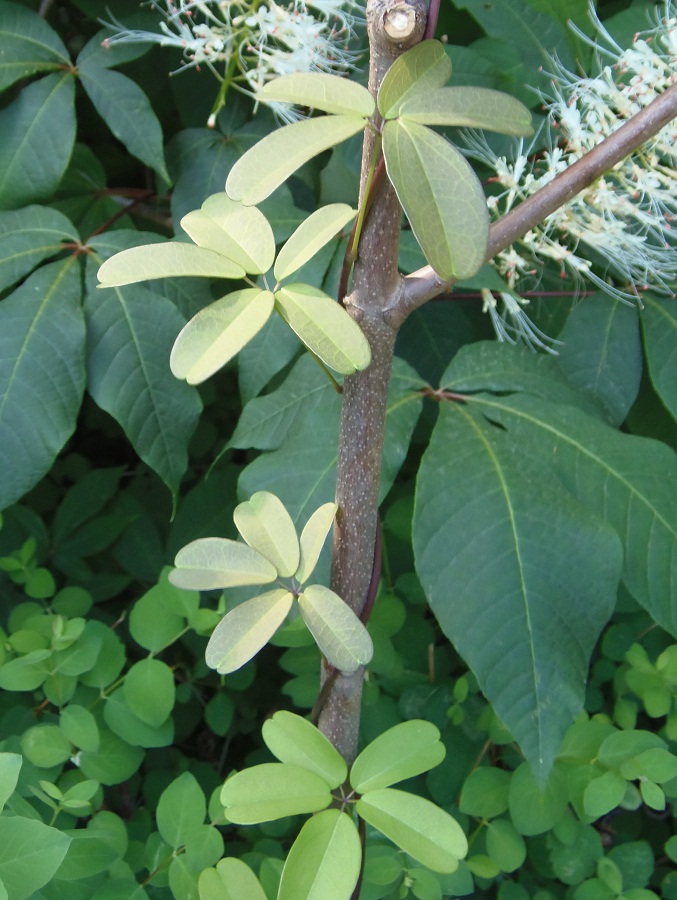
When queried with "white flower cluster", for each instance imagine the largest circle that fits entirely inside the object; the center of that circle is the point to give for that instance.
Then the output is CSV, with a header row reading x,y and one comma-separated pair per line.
x,y
245,44
616,233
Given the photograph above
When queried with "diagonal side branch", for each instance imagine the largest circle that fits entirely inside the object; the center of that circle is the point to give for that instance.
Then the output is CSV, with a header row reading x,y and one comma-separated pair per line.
x,y
424,284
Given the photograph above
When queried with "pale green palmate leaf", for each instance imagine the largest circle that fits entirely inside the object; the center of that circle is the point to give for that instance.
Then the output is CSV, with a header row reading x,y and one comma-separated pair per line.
x,y
468,107
267,527
218,332
324,327
313,537
339,634
29,45
423,68
166,260
498,573
441,196
232,879
417,826
241,233
324,860
295,740
273,159
215,563
404,751
319,90
246,629
271,791
311,235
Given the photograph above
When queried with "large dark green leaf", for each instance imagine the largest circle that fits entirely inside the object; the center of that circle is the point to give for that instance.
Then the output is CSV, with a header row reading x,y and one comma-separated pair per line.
x,y
659,323
27,45
38,131
520,576
441,196
126,110
42,374
619,477
130,332
27,237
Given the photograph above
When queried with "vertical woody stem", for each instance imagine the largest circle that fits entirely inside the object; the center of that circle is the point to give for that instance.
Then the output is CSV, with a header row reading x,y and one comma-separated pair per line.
x,y
394,26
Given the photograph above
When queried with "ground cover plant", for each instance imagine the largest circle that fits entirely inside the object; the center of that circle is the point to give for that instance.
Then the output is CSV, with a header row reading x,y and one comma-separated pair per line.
x,y
337,431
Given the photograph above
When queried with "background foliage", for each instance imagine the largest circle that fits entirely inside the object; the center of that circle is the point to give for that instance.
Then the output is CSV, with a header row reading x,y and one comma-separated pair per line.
x,y
541,534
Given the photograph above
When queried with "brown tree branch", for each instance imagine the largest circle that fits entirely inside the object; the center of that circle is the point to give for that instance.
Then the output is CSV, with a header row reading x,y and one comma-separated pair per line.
x,y
424,284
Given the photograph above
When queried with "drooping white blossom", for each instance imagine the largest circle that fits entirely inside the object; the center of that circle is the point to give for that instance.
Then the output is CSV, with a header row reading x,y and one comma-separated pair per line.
x,y
617,234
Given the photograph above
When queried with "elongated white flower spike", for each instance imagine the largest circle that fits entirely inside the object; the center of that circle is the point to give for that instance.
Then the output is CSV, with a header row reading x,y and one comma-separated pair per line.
x,y
618,233
245,44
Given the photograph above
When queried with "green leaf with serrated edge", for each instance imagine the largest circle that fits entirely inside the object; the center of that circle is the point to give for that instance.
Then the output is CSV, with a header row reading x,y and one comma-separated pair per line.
x,y
30,166
10,766
313,536
325,327
441,196
510,561
181,808
267,527
324,860
403,751
659,324
27,237
469,107
423,68
126,110
311,235
242,233
29,45
319,90
617,476
169,260
150,691
338,632
209,564
423,830
273,159
129,337
232,879
30,854
218,332
246,629
272,791
297,741
42,374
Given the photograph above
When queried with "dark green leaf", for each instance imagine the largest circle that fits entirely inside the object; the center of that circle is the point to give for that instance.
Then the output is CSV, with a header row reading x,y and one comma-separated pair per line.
x,y
659,323
27,237
29,45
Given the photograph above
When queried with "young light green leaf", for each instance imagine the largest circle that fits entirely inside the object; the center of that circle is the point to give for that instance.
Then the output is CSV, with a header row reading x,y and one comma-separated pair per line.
x,y
469,107
339,634
150,691
232,879
313,537
319,90
266,526
400,752
242,233
423,68
246,629
273,159
272,791
30,854
417,826
168,260
311,235
181,808
441,196
213,563
297,741
324,860
218,332
324,327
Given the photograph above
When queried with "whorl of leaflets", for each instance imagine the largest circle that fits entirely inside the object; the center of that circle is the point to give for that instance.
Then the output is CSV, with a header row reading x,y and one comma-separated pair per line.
x,y
272,553
619,232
